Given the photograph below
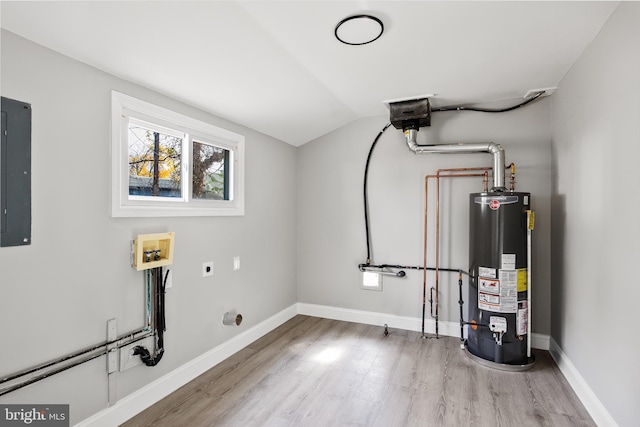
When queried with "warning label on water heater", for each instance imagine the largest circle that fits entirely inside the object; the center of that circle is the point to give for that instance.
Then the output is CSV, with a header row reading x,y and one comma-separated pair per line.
x,y
499,295
487,272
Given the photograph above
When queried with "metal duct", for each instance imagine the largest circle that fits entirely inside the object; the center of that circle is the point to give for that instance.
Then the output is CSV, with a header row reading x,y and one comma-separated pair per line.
x,y
492,148
230,318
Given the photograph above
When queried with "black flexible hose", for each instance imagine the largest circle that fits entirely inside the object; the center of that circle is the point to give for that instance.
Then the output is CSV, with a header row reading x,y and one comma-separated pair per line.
x,y
145,355
366,175
365,196
159,320
163,291
489,110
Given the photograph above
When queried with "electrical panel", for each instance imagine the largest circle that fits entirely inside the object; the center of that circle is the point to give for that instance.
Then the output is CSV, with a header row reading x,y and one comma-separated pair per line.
x,y
15,174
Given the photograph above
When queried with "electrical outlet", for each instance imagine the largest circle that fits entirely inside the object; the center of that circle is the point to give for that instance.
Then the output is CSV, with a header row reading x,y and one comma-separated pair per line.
x,y
236,263
207,269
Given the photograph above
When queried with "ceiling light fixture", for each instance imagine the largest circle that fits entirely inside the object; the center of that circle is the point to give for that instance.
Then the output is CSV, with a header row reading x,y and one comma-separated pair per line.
x,y
359,29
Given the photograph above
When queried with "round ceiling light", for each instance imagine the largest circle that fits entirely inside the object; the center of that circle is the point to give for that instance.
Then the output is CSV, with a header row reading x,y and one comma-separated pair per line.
x,y
359,29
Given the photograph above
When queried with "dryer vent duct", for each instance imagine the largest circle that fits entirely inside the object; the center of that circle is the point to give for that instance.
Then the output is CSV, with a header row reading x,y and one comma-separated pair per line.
x,y
413,113
231,318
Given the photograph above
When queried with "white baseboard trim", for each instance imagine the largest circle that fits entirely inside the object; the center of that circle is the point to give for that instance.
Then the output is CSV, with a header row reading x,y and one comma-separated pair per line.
x,y
540,341
450,329
592,404
146,396
375,318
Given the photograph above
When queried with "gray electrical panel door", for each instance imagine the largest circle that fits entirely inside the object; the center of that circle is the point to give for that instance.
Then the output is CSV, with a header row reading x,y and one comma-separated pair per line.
x,y
15,174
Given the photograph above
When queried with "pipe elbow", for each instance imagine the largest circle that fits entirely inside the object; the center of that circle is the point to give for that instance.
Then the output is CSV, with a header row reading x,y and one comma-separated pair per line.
x,y
494,148
411,136
413,148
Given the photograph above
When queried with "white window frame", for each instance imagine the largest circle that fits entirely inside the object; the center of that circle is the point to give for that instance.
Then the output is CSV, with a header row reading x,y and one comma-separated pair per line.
x,y
122,205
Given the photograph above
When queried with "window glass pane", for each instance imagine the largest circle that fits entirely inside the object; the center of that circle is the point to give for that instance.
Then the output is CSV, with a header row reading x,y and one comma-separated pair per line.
x,y
154,162
210,172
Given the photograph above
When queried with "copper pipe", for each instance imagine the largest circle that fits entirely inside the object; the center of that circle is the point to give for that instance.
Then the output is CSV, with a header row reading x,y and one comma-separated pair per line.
x,y
462,169
437,176
448,173
424,252
445,173
479,175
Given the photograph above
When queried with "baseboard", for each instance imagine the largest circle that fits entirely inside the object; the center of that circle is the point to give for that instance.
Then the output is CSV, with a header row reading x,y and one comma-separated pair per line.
x,y
146,396
381,319
592,404
450,329
540,341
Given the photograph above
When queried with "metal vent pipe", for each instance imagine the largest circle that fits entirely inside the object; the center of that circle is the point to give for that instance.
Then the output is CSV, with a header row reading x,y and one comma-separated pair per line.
x,y
492,148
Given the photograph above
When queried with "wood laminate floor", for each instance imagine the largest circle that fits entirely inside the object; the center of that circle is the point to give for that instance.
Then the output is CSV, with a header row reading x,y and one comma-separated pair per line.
x,y
319,372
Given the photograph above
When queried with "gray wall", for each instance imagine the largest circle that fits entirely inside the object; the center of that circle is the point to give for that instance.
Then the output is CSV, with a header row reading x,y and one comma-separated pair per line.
x,y
596,146
331,236
58,293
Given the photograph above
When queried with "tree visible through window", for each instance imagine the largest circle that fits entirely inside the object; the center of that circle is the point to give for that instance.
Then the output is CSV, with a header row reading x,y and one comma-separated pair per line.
x,y
154,162
210,166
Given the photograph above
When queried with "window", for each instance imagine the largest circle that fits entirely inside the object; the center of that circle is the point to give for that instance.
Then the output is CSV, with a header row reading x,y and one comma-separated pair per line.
x,y
168,164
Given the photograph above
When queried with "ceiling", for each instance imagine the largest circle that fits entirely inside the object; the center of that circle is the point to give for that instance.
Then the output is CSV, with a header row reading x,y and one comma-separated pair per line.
x,y
276,67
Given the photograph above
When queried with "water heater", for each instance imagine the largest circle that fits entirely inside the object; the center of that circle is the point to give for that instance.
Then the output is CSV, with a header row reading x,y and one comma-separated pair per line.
x,y
498,333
